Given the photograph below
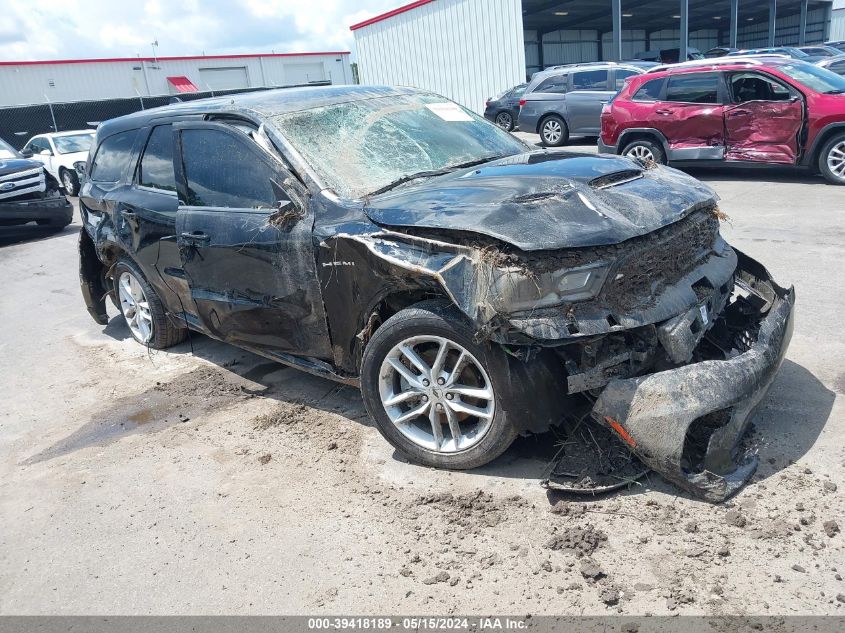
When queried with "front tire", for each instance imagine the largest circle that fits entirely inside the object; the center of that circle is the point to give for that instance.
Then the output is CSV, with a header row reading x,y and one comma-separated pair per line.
x,y
645,150
832,160
438,397
553,131
70,182
143,310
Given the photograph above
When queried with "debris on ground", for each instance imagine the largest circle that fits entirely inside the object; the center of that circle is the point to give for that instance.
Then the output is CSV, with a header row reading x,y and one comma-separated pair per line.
x,y
831,528
591,571
441,576
592,460
265,458
581,541
735,518
609,595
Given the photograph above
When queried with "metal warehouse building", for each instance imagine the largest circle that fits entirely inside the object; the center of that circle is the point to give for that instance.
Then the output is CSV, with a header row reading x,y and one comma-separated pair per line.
x,y
38,82
469,50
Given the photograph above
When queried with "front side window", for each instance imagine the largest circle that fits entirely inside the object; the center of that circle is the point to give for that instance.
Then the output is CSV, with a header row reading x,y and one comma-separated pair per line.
x,y
73,143
112,157
754,87
557,84
590,80
693,88
362,146
156,168
222,171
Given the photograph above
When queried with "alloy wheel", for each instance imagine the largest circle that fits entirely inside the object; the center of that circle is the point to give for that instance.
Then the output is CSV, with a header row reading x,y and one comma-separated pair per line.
x,y
504,120
135,307
67,182
552,131
437,393
640,152
836,160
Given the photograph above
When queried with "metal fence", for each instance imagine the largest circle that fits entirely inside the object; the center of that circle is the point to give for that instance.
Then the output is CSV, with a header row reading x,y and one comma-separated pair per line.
x,y
20,123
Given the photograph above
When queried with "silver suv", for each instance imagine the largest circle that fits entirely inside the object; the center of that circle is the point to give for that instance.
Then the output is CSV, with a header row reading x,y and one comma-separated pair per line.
x,y
568,100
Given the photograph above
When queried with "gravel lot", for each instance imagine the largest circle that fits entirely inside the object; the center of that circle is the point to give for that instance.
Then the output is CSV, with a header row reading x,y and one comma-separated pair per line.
x,y
206,480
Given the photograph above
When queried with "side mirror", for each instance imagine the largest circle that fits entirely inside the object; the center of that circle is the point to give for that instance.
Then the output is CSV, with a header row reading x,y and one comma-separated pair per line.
x,y
26,153
45,152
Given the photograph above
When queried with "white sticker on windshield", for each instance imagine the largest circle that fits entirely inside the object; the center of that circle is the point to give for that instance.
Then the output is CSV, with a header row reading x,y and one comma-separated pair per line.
x,y
448,111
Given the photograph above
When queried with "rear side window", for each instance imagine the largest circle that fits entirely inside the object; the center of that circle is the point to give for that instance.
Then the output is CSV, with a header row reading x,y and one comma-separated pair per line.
x,y
693,88
622,75
838,67
222,171
590,80
649,91
157,163
113,157
553,84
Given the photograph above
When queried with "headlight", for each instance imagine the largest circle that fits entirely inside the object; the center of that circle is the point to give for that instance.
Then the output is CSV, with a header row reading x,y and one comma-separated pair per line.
x,y
515,290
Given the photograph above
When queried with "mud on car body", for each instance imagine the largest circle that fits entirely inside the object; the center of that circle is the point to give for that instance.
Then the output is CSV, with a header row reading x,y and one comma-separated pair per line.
x,y
474,289
28,193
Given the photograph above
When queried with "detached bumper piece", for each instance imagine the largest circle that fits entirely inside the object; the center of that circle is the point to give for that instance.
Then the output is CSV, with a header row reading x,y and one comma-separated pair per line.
x,y
55,210
687,423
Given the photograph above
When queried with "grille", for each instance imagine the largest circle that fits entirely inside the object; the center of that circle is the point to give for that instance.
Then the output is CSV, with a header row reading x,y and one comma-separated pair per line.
x,y
650,263
22,183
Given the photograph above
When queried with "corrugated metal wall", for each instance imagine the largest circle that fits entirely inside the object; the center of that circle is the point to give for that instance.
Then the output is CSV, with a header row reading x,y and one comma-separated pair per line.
x,y
464,50
32,84
837,25
786,31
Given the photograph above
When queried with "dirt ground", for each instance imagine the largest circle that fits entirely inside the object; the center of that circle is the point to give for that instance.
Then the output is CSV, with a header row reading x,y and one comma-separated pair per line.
x,y
206,480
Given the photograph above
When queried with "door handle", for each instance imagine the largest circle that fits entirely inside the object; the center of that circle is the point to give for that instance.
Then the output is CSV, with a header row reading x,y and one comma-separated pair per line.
x,y
195,238
739,113
666,112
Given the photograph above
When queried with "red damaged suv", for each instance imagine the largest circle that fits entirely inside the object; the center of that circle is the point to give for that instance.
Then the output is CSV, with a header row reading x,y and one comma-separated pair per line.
x,y
766,110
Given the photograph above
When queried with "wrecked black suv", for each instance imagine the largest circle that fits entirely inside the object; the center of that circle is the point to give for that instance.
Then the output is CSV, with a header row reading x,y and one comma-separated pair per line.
x,y
474,288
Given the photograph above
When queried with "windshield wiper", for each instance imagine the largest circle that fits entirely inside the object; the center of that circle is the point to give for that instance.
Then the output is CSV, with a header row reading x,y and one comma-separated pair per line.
x,y
835,91
432,172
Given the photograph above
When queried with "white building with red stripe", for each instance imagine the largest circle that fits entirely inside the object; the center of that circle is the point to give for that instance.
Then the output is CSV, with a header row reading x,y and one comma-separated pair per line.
x,y
32,82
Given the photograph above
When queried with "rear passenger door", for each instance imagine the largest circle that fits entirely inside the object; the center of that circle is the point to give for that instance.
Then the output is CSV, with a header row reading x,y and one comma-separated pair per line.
x,y
589,91
244,230
690,116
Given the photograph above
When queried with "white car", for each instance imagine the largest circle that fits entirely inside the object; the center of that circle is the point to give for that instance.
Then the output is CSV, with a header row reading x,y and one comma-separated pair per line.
x,y
58,152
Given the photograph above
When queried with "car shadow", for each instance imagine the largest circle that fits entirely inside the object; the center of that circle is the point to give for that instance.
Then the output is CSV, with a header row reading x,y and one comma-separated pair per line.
x,y
785,426
10,235
785,175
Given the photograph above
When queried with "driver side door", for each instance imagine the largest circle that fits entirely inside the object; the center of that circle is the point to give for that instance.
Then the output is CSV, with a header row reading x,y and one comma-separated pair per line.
x,y
244,232
764,121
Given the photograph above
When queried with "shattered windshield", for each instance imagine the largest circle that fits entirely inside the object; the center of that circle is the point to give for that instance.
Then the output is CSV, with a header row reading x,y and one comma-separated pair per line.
x,y
363,146
73,143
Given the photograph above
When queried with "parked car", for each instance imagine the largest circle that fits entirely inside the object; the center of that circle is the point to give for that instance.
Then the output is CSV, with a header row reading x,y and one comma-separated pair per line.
x,y
59,152
719,51
787,51
569,100
28,193
668,55
473,288
834,64
839,44
820,50
769,110
504,109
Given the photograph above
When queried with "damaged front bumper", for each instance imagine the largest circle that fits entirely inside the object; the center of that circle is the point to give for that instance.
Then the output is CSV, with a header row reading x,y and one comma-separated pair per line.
x,y
687,423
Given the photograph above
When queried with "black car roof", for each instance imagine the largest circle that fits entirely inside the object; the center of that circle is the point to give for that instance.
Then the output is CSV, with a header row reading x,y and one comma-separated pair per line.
x,y
260,104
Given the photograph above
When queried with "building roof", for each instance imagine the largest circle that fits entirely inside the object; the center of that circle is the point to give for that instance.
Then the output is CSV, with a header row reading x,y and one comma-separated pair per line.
x,y
389,14
165,59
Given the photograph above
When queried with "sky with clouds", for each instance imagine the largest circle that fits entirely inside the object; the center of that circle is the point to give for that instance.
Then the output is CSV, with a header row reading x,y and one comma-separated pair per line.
x,y
48,29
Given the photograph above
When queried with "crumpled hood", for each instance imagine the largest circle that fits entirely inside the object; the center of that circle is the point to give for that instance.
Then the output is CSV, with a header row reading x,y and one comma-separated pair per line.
x,y
14,165
547,200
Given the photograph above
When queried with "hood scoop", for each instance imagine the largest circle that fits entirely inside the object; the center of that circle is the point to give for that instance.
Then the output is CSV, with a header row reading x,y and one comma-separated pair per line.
x,y
615,178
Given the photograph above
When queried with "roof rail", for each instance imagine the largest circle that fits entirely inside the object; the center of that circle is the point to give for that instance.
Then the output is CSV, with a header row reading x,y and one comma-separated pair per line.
x,y
756,60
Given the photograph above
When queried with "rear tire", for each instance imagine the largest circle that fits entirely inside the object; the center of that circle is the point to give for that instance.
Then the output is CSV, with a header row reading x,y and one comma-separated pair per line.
x,y
505,120
143,310
553,131
644,149
467,367
832,160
